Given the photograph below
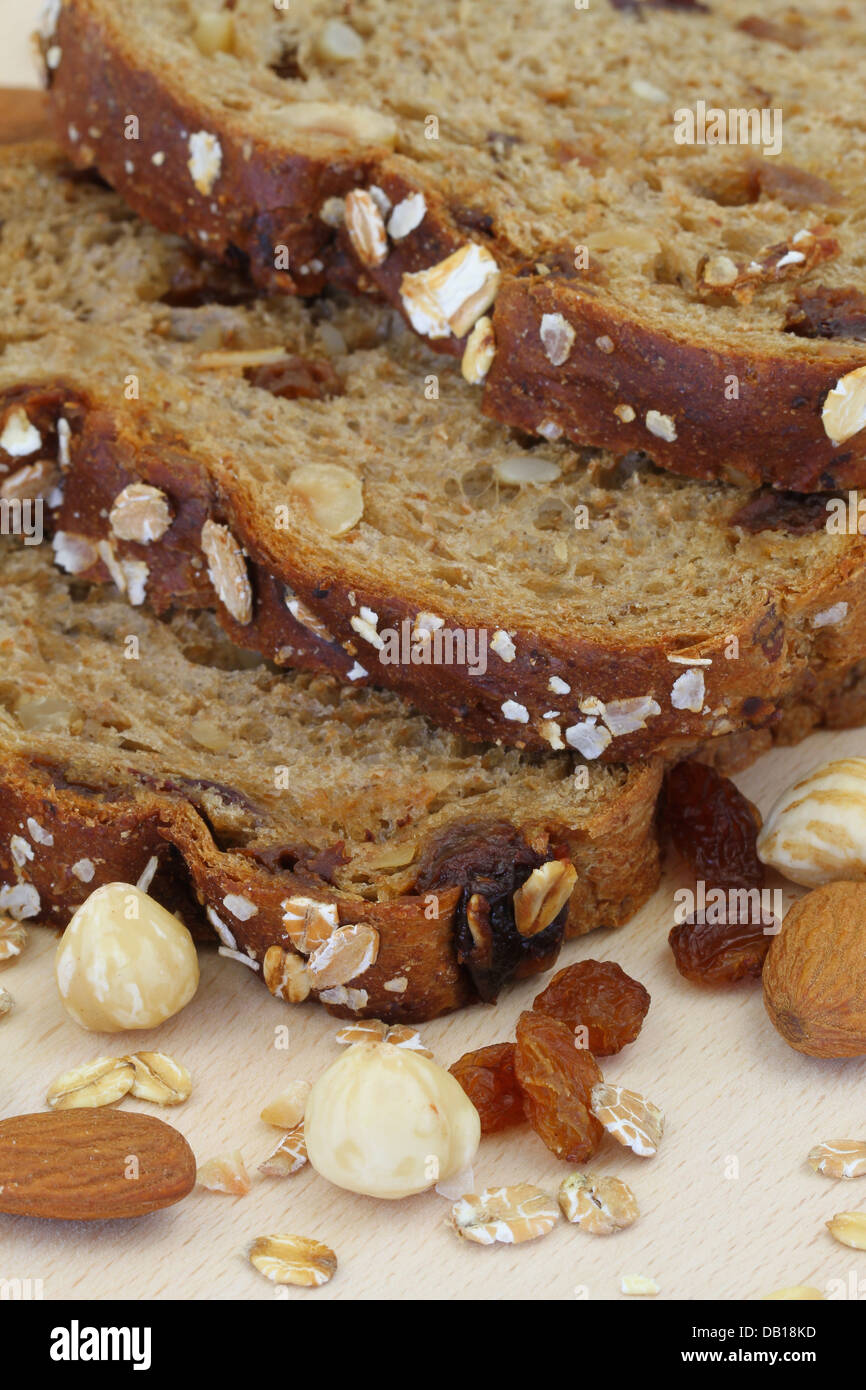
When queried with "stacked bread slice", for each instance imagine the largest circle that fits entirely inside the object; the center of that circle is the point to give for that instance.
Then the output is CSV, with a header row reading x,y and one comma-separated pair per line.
x,y
372,683
329,487
658,201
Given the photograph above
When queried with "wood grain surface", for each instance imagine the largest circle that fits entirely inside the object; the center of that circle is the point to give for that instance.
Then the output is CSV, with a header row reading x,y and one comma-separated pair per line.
x,y
729,1208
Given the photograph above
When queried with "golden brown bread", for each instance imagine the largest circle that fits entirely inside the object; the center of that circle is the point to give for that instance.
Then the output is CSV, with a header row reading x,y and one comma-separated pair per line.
x,y
622,610
698,299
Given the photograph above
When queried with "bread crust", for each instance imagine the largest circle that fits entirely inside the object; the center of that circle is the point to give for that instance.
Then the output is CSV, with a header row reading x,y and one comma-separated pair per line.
x,y
269,195
616,857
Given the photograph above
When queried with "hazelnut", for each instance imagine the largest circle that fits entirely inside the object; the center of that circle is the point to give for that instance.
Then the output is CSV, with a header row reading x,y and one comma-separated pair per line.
x,y
124,962
388,1122
816,831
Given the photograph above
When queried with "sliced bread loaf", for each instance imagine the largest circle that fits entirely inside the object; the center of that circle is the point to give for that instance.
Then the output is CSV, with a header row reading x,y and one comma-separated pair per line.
x,y
335,842
661,199
365,519
275,808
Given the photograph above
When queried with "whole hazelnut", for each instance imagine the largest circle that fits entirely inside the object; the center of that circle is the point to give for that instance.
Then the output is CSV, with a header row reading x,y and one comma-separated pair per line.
x,y
388,1122
124,962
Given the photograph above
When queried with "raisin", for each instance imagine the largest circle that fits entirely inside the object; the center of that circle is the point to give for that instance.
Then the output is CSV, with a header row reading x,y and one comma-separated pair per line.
x,y
798,513
713,826
827,312
297,378
487,1077
788,35
598,996
721,952
556,1078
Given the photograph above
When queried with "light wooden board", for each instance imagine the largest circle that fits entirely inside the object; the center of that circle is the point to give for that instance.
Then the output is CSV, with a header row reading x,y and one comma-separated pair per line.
x,y
730,1209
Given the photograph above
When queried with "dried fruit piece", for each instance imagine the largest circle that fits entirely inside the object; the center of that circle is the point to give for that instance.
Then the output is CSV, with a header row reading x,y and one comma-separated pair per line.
x,y
713,826
293,1260
13,938
288,1157
849,1228
601,998
226,1173
815,973
599,1205
287,1110
841,1158
629,1118
640,1285
6,1002
720,953
510,1215
556,1079
159,1078
102,1082
487,1077
297,378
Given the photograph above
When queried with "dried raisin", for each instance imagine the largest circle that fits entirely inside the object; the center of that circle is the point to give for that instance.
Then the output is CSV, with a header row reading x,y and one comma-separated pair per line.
x,y
487,1077
598,996
720,953
713,826
556,1078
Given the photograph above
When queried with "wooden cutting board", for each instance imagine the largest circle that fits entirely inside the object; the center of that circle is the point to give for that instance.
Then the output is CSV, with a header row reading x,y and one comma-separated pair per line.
x,y
729,1208
23,115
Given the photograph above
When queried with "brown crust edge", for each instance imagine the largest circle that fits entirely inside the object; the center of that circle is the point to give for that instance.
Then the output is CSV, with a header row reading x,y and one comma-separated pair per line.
x,y
617,866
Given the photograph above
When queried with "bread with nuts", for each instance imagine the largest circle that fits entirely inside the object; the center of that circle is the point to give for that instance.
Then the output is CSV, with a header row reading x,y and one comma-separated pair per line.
x,y
366,513
649,288
337,843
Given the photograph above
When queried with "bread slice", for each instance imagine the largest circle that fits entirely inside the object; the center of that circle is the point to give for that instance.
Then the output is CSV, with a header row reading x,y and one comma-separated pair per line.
x,y
653,289
379,525
261,804
133,746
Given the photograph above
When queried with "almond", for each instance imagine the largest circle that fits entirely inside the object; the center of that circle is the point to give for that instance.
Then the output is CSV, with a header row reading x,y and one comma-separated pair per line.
x,y
91,1165
815,973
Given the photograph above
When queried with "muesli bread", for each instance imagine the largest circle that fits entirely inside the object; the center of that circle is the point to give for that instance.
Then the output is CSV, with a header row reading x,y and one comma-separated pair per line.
x,y
263,805
649,288
367,512
274,808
